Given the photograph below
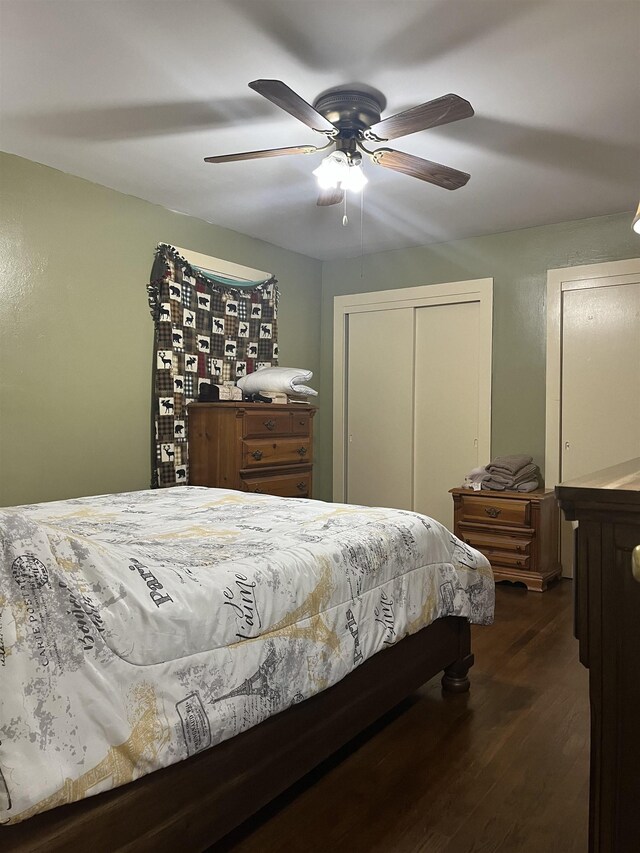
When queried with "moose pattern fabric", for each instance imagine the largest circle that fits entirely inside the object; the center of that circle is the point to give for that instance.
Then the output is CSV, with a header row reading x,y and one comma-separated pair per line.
x,y
138,629
205,332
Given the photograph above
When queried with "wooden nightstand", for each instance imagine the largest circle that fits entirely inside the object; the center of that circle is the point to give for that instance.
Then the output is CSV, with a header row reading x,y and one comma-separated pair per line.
x,y
516,531
255,447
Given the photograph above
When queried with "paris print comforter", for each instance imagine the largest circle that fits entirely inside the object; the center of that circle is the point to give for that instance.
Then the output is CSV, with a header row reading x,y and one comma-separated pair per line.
x,y
138,629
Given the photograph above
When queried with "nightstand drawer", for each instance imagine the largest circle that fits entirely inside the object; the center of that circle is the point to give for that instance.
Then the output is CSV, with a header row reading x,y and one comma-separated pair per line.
x,y
509,561
483,510
292,485
266,424
489,543
261,453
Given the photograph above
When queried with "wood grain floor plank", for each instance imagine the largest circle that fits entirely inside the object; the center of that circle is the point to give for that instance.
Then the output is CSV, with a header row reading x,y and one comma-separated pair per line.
x,y
503,769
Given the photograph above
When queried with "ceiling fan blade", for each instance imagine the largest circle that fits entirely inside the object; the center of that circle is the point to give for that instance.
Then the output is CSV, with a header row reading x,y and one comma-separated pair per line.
x,y
333,195
439,111
259,155
282,96
417,167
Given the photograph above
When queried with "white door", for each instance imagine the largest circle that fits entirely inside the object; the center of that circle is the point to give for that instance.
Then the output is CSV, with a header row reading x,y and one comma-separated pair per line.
x,y
411,394
379,408
446,404
600,397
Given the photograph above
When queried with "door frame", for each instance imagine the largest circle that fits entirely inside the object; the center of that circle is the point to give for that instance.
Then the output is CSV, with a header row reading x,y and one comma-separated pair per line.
x,y
559,281
476,290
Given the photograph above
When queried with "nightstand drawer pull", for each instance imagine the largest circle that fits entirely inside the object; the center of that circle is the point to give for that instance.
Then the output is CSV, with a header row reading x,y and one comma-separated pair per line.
x,y
302,451
302,485
257,454
258,490
492,511
270,424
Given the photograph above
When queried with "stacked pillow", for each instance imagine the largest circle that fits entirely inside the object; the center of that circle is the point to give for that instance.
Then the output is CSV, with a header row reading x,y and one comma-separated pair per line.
x,y
285,380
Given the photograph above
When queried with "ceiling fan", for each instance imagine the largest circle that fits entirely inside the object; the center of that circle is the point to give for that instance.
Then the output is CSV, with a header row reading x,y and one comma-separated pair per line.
x,y
349,116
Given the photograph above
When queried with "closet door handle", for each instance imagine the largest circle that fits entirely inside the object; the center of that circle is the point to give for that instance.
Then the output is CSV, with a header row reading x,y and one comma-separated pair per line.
x,y
257,454
492,511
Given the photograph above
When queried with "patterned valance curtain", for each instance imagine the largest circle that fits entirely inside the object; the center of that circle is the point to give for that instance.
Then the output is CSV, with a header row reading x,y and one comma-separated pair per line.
x,y
208,329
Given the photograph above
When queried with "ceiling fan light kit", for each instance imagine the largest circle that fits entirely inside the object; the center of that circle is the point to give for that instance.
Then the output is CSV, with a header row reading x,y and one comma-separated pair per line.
x,y
347,116
337,171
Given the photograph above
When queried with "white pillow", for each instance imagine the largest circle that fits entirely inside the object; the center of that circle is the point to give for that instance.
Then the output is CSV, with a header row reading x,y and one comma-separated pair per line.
x,y
285,379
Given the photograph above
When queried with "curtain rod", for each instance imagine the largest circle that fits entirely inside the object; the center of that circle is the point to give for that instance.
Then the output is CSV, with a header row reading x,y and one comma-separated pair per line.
x,y
222,267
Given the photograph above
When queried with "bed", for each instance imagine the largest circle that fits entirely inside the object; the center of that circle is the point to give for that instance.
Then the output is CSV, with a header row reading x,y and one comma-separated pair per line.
x,y
248,634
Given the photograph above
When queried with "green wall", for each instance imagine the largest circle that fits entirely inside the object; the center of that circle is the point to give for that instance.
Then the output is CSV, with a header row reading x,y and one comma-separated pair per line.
x,y
518,262
76,334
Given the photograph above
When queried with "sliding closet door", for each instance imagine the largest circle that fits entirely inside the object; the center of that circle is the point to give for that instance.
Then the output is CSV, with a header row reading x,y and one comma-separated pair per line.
x,y
446,404
379,408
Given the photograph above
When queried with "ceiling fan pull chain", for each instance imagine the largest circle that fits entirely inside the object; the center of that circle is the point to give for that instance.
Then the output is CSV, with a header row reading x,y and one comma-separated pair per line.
x,y
345,221
362,234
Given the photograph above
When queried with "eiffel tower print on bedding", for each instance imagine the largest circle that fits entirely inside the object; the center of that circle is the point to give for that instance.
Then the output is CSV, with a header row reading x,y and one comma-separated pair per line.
x,y
141,628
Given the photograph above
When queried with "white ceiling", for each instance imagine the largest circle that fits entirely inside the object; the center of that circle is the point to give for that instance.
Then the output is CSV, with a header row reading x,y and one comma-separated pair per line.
x,y
134,95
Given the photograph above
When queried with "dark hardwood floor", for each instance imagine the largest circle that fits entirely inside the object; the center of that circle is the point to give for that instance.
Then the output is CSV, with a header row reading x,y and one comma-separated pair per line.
x,y
503,768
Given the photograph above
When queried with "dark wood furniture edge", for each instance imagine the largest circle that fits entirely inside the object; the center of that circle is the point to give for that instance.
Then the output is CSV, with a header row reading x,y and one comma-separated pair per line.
x,y
606,505
192,804
584,497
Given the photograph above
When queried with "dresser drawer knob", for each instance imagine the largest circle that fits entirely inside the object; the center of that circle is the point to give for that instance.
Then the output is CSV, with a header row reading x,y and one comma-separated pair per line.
x,y
302,423
519,548
492,511
257,454
270,424
302,451
258,490
301,485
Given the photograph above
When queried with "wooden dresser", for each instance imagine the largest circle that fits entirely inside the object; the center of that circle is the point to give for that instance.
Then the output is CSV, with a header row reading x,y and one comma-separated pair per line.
x,y
606,506
516,531
256,447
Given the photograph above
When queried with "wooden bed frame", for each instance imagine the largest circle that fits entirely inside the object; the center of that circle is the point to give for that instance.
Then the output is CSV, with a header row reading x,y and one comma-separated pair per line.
x,y
194,803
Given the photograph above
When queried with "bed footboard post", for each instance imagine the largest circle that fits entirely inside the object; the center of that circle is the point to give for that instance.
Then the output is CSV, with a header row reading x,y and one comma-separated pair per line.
x,y
455,678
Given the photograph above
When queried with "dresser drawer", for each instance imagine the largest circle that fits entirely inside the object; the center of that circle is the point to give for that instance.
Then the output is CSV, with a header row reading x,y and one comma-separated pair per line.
x,y
261,453
300,423
502,511
296,484
266,423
